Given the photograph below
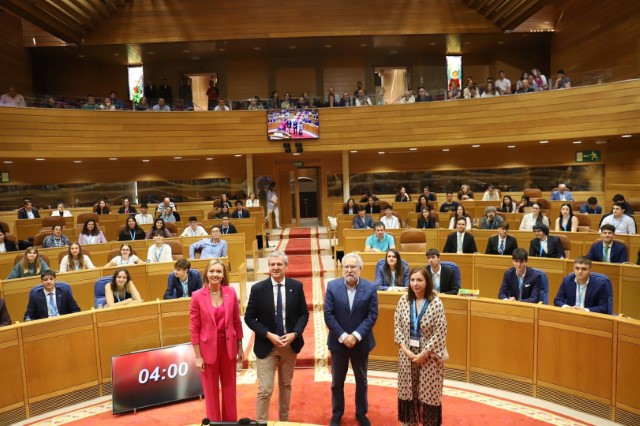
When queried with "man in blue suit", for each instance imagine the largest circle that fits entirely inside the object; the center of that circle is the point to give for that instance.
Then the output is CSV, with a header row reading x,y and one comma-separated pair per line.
x,y
561,194
50,300
350,312
362,220
28,211
183,280
583,291
521,282
607,250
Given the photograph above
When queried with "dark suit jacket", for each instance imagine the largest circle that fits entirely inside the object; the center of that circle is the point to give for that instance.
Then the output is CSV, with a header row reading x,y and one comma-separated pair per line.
x,y
371,210
245,214
10,245
132,210
448,282
22,213
5,319
618,252
554,248
360,318
365,223
509,246
531,285
260,314
231,230
345,210
596,298
37,307
468,244
174,286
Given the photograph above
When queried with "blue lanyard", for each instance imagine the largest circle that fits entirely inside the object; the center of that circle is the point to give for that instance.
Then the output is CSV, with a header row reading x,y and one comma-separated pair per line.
x,y
133,234
118,294
158,255
415,320
581,289
185,288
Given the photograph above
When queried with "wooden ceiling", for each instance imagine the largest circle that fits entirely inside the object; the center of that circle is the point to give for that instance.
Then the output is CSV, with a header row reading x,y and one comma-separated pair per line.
x,y
68,20
507,14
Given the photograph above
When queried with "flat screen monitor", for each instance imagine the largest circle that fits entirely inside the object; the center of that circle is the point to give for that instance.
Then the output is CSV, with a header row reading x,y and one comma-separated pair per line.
x,y
293,124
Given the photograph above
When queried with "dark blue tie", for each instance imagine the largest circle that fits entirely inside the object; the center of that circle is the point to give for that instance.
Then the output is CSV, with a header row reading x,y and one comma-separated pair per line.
x,y
279,318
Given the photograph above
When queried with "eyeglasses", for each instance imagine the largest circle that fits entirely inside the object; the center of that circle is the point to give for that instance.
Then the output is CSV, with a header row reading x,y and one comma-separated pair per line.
x,y
349,266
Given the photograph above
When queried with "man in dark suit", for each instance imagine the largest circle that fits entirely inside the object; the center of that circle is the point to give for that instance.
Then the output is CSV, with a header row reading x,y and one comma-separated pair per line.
x,y
545,245
460,241
8,244
239,212
50,300
608,250
183,281
444,278
583,291
362,221
350,312
226,227
28,211
165,91
503,243
521,282
278,339
151,91
5,319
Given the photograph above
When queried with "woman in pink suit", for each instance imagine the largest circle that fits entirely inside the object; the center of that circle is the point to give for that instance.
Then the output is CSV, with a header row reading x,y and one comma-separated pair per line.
x,y
216,336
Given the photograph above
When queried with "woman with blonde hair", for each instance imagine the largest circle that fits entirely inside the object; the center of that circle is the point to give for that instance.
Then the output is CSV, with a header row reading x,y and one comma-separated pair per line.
x,y
75,260
30,265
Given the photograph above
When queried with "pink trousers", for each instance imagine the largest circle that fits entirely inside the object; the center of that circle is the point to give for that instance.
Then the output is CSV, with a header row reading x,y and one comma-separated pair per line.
x,y
221,375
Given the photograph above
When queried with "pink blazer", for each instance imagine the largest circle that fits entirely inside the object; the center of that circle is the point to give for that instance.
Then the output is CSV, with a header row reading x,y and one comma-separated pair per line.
x,y
204,330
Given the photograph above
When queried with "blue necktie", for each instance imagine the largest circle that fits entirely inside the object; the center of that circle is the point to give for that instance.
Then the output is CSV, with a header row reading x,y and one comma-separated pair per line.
x,y
520,281
279,318
52,305
501,248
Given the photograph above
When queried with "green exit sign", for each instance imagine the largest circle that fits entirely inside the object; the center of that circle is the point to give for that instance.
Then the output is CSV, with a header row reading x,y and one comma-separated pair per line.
x,y
298,164
588,156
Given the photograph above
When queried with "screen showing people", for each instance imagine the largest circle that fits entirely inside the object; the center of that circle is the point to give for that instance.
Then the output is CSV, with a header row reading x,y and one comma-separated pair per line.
x,y
285,124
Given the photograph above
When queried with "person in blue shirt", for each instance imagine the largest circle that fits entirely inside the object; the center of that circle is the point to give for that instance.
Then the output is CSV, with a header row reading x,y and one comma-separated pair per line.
x,y
362,220
591,207
210,247
380,241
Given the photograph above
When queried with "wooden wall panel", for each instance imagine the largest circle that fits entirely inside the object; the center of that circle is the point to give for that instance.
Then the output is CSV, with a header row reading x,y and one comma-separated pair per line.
x,y
296,80
623,170
342,74
247,78
15,67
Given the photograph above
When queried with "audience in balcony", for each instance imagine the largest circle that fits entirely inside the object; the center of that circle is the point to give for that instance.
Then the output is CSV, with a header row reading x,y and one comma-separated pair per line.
x,y
407,98
12,99
454,91
151,91
286,103
562,81
161,105
75,260
359,87
255,105
423,96
6,245
274,100
591,207
91,234
362,99
566,221
30,265
332,91
490,91
51,103
107,104
332,102
503,84
540,79
91,103
212,95
117,103
221,106
525,88
165,92
346,100
471,91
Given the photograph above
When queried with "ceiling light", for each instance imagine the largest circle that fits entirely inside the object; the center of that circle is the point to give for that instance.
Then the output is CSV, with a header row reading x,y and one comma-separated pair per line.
x,y
238,155
501,42
511,146
466,43
39,159
152,53
113,158
81,56
433,43
413,149
353,151
601,142
363,45
7,162
195,58
77,161
393,52
116,54
475,146
186,51
626,136
257,48
380,152
577,142
292,47
544,141
328,46
222,49
296,153
177,158
445,149
145,161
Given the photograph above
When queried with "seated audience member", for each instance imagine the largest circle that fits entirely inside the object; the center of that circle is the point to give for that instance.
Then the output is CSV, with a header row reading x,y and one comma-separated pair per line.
x,y
392,271
332,102
210,247
6,245
253,201
60,211
521,282
368,195
423,96
159,224
131,231
371,207
101,208
431,196
346,100
239,212
5,318
561,194
127,256
167,215
350,207
362,220
221,106
380,241
226,227
545,245
525,87
461,213
503,243
126,207
491,194
465,193
159,251
121,290
471,91
443,277
57,239
144,218
183,281
194,230
540,79
75,260
143,105
607,250
623,223
525,202
107,105
407,98
562,82
222,202
490,91
583,291
359,87
224,212
31,265
530,219
12,99
161,105
286,103
52,301
302,103
362,99
91,234
460,241
115,101
426,220
91,103
491,220
619,198
503,84
28,211
449,205
332,91
389,220
166,202
254,104
454,91
507,206
591,207
402,195
566,221
422,204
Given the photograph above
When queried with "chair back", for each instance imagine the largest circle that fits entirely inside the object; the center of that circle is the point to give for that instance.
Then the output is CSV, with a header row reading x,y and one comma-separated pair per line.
x,y
413,240
584,222
172,228
577,205
532,193
455,268
176,249
212,214
11,237
98,291
545,205
62,254
21,255
49,221
566,245
39,287
83,217
544,287
40,236
609,288
5,227
383,205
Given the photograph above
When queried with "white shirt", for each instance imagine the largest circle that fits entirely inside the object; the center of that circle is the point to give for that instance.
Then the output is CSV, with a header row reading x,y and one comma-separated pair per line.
x,y
488,197
528,221
253,203
55,301
581,292
284,298
3,249
452,223
65,213
459,242
224,108
504,85
390,222
189,232
436,278
144,219
159,254
65,267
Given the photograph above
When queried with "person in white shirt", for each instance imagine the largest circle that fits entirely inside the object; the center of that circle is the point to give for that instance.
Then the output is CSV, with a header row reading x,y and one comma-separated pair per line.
x,y
76,260
221,106
194,230
253,201
408,98
491,194
60,211
530,219
164,204
159,252
503,84
362,99
12,99
144,218
390,221
623,223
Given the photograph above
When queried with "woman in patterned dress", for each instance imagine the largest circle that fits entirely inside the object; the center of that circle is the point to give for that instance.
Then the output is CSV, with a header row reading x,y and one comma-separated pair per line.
x,y
421,333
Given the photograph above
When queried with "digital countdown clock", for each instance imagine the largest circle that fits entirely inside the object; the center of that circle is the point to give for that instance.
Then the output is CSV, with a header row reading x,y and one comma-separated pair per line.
x,y
155,376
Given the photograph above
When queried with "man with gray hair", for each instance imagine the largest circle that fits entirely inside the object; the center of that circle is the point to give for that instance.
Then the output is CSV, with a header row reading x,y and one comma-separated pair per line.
x,y
350,312
278,337
491,220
